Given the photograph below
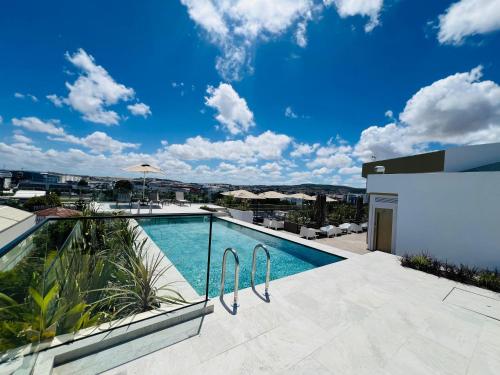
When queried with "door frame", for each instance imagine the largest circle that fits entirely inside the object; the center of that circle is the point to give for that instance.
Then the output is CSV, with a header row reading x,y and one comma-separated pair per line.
x,y
389,201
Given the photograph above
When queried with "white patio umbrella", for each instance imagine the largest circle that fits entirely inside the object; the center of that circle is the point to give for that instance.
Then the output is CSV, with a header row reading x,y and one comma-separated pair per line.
x,y
242,194
272,195
302,196
143,168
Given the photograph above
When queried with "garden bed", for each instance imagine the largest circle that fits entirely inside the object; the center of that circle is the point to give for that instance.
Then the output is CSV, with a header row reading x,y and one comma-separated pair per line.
x,y
481,278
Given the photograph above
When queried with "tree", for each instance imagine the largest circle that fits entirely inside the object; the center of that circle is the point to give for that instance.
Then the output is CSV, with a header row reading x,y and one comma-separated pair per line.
x,y
123,186
82,183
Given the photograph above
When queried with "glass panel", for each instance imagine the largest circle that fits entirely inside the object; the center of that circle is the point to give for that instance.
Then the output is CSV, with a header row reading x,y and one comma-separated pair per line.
x,y
93,274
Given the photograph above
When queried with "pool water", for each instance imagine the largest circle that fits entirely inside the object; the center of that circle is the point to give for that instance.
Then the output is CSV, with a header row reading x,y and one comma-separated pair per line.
x,y
184,240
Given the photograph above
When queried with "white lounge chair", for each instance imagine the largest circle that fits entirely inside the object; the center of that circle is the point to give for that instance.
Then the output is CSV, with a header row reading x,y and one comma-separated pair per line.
x,y
355,228
330,230
179,198
345,227
266,223
364,226
277,224
307,232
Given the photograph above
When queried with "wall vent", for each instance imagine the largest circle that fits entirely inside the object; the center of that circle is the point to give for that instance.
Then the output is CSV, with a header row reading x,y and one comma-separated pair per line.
x,y
386,200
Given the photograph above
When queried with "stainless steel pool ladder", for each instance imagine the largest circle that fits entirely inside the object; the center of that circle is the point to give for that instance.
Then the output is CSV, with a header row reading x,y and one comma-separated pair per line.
x,y
236,276
268,267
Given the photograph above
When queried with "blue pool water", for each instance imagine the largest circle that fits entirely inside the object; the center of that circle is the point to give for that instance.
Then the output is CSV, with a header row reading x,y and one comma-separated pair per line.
x,y
184,240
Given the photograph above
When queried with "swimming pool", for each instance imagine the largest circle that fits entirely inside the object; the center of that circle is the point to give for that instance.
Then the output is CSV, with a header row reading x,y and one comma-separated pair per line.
x,y
184,240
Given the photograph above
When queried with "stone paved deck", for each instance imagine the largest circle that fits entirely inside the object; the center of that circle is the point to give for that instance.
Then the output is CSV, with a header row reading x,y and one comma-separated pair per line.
x,y
364,315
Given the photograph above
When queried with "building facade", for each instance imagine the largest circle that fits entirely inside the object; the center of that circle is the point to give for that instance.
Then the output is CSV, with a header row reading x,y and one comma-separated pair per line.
x,y
445,204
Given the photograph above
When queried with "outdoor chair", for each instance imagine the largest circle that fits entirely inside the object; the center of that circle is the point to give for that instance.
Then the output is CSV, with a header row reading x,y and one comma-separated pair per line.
x,y
330,230
123,198
307,232
277,224
179,198
355,228
154,198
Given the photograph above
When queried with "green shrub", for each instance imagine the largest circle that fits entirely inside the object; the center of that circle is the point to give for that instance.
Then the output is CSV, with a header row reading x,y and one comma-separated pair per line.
x,y
464,274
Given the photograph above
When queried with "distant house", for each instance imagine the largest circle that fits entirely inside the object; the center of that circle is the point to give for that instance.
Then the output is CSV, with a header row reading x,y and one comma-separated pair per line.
x,y
13,223
445,203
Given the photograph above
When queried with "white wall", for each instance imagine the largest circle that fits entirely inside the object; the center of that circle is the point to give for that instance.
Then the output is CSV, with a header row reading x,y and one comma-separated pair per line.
x,y
463,158
453,216
241,215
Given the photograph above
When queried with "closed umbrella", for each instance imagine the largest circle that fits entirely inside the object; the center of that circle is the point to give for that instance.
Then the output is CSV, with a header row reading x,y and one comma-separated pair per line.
x,y
143,168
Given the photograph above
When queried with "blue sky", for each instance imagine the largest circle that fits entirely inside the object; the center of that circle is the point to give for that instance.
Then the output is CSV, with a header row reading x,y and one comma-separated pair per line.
x,y
242,91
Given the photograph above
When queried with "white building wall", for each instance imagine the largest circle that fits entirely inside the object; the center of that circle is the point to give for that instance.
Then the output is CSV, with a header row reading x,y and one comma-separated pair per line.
x,y
463,158
452,216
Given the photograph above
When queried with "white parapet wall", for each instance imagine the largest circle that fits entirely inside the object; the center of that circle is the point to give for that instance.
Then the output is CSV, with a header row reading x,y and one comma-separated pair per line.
x,y
452,216
246,216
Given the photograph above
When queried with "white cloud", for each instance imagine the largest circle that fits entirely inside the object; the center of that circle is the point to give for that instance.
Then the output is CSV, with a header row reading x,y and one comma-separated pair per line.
x,y
468,17
389,114
19,95
236,26
56,100
97,142
139,109
350,170
302,149
1,120
22,138
94,91
232,110
290,113
36,125
335,161
365,8
459,109
266,146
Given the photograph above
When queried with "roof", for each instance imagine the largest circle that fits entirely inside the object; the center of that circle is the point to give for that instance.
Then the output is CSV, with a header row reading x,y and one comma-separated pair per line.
x,y
26,194
421,163
10,216
57,212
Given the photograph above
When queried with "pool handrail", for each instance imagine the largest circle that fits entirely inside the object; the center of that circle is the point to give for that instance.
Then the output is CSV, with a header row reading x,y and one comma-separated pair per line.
x,y
268,267
236,276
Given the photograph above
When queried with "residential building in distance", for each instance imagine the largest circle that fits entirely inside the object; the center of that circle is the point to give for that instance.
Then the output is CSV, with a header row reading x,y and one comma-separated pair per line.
x,y
443,203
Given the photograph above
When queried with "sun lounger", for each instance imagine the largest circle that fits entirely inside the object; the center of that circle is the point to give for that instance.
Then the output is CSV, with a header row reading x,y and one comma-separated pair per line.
x,y
354,228
330,230
307,232
179,198
277,224
266,222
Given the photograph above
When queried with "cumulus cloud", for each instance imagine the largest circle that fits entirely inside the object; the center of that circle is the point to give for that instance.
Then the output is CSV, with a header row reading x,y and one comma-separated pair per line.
x,y
97,142
365,8
232,110
22,138
139,109
302,149
56,100
94,91
36,125
267,146
468,17
459,109
235,26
